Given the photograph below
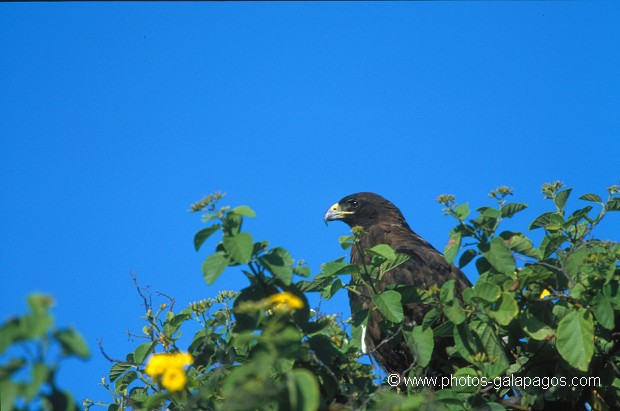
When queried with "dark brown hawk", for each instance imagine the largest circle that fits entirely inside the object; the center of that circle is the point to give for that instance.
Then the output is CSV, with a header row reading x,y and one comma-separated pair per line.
x,y
385,224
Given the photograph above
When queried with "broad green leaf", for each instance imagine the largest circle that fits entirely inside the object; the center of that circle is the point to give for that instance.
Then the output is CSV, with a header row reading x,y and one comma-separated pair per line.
x,y
574,262
489,212
388,303
382,250
431,316
123,382
446,295
487,291
594,198
462,211
214,266
467,256
202,235
305,395
239,247
603,311
423,343
72,343
454,312
451,250
577,215
534,327
336,268
561,198
504,310
118,369
490,342
39,374
613,204
302,270
499,256
465,343
550,244
244,211
279,263
510,209
139,394
575,339
143,350
519,243
542,220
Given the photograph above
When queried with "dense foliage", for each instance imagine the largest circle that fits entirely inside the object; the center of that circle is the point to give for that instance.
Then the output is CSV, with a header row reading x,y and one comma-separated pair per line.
x,y
537,330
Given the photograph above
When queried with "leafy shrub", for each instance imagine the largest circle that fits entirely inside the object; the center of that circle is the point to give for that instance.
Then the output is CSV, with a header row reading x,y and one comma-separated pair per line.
x,y
27,371
537,322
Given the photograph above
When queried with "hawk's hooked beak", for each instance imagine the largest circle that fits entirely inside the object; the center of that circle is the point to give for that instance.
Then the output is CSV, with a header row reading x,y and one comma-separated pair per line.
x,y
335,213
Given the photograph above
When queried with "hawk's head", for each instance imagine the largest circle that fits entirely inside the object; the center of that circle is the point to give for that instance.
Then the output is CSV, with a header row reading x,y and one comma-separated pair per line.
x,y
363,209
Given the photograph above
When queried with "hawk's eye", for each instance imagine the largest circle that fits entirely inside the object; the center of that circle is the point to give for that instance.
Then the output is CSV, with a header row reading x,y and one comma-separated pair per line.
x,y
352,203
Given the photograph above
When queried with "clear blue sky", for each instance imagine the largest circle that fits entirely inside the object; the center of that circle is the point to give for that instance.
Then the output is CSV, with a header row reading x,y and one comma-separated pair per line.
x,y
115,117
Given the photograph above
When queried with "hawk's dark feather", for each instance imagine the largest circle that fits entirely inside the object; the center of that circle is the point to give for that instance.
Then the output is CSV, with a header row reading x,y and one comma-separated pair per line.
x,y
385,224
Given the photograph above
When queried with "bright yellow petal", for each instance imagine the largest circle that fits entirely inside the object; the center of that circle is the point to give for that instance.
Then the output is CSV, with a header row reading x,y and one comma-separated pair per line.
x,y
157,365
174,379
286,300
544,293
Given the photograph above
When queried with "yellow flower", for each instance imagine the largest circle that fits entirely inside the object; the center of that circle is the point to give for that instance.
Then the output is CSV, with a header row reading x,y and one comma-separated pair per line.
x,y
170,366
174,379
544,293
286,300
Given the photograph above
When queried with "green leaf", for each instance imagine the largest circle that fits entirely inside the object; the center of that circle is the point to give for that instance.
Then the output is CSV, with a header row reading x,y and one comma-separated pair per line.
x,y
454,312
519,243
239,247
214,266
534,327
467,256
490,342
278,261
489,212
462,211
613,204
143,350
446,295
542,220
504,310
592,198
244,211
10,332
123,382
603,311
561,198
499,256
118,369
510,209
388,303
72,343
464,342
451,250
575,340
423,343
202,235
337,267
487,291
39,374
383,250
304,395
